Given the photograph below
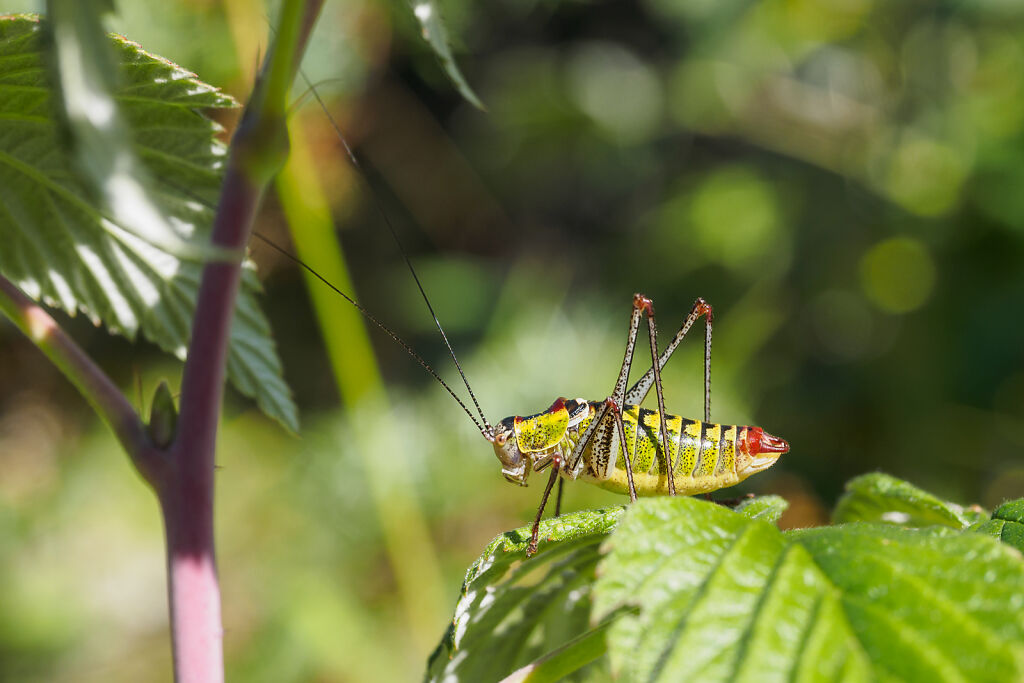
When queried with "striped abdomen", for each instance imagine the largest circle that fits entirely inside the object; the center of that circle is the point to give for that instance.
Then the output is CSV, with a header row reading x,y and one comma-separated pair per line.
x,y
707,456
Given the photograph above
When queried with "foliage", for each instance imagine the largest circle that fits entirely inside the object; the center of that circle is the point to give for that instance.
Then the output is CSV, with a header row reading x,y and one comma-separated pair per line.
x,y
110,173
63,248
428,14
683,589
879,497
494,630
1006,524
845,196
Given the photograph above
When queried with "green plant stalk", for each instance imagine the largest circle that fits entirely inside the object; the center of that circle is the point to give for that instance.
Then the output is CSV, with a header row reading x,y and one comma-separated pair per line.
x,y
407,538
102,394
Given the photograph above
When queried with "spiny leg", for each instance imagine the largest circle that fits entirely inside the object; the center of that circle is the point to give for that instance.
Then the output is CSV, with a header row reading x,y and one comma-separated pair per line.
x,y
558,498
640,302
638,392
535,536
660,393
620,386
709,319
617,413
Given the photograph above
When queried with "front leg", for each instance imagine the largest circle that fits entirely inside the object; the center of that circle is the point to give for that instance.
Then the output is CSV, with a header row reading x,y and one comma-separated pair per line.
x,y
535,534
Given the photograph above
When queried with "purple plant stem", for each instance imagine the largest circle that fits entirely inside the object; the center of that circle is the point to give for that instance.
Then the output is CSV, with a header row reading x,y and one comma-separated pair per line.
x,y
183,475
186,497
187,494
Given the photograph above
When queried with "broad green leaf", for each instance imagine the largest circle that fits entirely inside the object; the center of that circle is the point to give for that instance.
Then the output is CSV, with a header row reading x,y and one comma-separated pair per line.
x,y
60,248
1007,524
500,595
105,162
721,597
768,508
512,610
879,497
716,590
428,15
927,604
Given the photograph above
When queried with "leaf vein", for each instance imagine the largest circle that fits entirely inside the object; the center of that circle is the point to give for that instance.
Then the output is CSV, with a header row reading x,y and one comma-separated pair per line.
x,y
762,598
698,595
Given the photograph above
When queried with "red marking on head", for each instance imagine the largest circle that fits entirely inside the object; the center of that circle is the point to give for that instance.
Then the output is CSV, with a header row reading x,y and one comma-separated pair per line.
x,y
559,404
643,303
759,441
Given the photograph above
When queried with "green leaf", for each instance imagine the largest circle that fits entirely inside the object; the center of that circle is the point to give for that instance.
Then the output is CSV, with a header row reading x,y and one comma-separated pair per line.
x,y
1007,524
1011,511
512,612
567,661
768,508
698,574
879,497
717,596
429,16
105,162
60,248
927,604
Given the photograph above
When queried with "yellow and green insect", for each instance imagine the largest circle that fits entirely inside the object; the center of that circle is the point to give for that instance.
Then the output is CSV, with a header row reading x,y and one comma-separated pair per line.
x,y
620,446
614,443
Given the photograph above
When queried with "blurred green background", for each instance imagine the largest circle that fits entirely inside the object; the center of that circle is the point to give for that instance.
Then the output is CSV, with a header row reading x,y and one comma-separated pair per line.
x,y
843,181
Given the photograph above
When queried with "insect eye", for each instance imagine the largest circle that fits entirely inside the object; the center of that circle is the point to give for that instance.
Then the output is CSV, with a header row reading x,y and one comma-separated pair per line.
x,y
500,439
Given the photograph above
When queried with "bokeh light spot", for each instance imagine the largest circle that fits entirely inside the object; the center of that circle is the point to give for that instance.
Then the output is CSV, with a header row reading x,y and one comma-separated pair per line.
x,y
615,89
925,176
996,87
898,274
735,218
810,20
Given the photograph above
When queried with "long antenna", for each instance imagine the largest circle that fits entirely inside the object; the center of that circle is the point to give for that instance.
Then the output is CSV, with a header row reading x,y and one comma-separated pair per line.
x,y
369,316
391,228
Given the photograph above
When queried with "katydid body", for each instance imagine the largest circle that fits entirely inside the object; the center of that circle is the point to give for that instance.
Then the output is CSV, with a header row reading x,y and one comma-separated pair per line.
x,y
617,445
613,443
706,456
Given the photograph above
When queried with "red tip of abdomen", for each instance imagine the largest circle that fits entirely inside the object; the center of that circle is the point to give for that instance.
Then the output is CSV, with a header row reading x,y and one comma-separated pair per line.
x,y
759,441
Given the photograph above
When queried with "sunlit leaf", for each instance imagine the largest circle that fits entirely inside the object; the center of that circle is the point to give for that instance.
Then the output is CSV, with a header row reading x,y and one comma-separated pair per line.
x,y
512,611
879,497
1007,524
59,247
927,604
721,597
768,508
106,164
